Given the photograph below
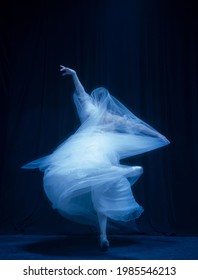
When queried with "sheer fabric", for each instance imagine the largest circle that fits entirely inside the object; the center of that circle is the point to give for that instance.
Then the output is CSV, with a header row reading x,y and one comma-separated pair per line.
x,y
83,175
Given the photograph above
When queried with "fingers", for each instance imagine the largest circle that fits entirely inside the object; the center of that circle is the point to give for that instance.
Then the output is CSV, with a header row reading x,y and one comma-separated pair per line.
x,y
62,68
66,70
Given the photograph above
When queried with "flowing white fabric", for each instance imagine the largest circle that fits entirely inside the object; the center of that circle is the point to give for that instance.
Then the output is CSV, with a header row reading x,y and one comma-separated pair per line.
x,y
83,175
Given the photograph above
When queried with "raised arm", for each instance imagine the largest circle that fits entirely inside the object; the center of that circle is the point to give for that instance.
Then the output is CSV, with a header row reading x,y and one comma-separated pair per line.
x,y
78,86
82,100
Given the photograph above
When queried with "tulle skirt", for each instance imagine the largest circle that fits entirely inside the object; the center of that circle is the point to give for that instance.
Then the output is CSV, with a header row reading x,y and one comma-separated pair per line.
x,y
84,176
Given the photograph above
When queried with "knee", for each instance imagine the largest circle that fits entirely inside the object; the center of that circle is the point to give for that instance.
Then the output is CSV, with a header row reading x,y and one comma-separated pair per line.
x,y
140,169
137,170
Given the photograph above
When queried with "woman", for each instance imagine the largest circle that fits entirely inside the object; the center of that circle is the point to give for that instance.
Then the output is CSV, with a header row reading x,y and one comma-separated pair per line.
x,y
83,177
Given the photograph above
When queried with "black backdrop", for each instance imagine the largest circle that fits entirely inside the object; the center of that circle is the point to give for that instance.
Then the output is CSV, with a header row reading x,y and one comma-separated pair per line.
x,y
145,53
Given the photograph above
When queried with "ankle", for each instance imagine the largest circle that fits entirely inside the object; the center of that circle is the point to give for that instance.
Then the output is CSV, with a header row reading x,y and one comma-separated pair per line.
x,y
103,236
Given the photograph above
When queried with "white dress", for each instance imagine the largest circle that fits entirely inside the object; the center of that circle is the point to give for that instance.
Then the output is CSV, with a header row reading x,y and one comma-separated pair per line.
x,y
83,175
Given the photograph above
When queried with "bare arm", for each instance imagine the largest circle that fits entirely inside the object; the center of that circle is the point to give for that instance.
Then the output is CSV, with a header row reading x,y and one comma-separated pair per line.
x,y
84,98
78,86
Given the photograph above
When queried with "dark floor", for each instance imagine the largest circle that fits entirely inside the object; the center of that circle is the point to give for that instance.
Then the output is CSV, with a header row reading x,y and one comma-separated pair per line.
x,y
134,247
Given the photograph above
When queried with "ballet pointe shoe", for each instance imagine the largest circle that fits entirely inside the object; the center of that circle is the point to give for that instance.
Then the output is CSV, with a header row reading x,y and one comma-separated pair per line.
x,y
104,243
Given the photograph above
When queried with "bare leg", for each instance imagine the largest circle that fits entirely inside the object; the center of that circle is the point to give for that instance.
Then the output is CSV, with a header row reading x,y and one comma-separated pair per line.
x,y
104,243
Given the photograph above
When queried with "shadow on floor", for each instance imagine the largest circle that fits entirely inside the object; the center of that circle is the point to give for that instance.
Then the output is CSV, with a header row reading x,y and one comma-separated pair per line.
x,y
134,247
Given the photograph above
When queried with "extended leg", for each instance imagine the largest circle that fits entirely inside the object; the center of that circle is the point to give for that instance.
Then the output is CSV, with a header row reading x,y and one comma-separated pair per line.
x,y
104,243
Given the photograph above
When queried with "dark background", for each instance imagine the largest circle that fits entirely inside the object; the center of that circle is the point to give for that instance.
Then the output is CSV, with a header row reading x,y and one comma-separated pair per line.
x,y
145,53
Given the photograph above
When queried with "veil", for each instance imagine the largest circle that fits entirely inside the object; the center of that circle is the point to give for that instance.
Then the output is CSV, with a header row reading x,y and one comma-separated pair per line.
x,y
125,134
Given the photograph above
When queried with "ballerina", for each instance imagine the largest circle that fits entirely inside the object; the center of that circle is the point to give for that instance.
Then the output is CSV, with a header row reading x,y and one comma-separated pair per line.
x,y
83,177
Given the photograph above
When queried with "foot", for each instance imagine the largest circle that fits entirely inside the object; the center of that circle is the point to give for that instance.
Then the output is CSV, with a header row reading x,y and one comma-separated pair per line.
x,y
104,243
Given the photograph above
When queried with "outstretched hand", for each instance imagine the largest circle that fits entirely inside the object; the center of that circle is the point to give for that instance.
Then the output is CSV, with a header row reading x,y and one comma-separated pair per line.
x,y
66,70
